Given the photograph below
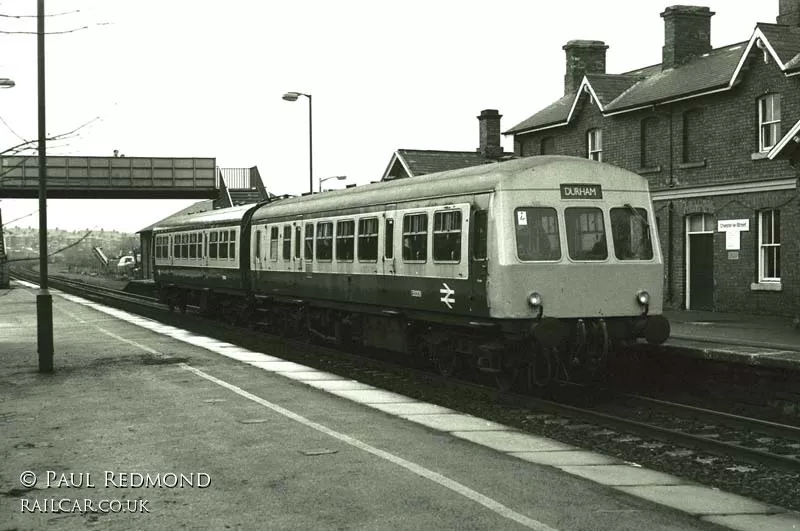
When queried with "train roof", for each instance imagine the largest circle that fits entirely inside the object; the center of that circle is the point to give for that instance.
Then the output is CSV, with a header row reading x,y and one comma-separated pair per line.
x,y
545,172
221,216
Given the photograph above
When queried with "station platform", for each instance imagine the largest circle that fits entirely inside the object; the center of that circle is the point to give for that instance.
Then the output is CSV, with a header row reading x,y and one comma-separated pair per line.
x,y
735,338
165,429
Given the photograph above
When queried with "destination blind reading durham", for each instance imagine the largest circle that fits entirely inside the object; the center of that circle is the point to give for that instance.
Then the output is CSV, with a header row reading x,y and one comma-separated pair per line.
x,y
581,191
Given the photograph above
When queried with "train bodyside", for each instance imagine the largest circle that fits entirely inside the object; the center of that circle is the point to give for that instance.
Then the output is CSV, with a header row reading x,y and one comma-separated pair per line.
x,y
197,258
464,266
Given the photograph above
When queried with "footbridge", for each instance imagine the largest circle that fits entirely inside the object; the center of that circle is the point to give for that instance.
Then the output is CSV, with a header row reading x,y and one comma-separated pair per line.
x,y
130,178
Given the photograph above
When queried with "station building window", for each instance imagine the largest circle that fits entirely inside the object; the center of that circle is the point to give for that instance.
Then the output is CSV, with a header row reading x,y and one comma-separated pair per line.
x,y
648,143
769,121
345,240
193,245
769,246
415,237
447,236
325,240
594,144
548,145
692,135
536,231
368,239
586,234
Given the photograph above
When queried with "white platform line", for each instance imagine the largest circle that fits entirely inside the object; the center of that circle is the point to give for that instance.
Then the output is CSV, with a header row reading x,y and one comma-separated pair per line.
x,y
430,475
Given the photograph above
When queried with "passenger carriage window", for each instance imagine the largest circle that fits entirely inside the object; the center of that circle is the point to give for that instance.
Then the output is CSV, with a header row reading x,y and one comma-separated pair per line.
x,y
345,240
223,245
273,244
388,244
537,234
586,234
212,245
298,240
257,250
325,240
232,245
309,248
287,242
447,236
368,239
631,233
481,228
415,237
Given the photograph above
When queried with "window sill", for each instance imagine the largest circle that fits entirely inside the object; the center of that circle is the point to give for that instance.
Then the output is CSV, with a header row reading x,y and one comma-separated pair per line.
x,y
689,165
766,286
759,156
652,169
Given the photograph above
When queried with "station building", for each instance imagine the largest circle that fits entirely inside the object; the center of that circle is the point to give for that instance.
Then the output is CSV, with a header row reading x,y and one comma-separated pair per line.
x,y
715,131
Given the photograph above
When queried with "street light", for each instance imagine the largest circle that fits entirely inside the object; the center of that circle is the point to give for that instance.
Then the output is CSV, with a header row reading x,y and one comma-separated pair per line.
x,y
323,179
292,96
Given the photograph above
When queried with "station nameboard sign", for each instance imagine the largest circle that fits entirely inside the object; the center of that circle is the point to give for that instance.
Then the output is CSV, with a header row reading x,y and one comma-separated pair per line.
x,y
732,229
581,191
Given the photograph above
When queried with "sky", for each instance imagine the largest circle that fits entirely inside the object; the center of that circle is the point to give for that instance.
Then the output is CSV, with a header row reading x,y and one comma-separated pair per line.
x,y
181,78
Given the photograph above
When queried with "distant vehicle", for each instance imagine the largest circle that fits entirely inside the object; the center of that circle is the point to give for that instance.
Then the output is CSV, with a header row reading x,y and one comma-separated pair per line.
x,y
126,261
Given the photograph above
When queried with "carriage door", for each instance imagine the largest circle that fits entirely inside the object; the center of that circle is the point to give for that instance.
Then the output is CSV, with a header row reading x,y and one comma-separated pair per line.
x,y
700,262
298,245
387,243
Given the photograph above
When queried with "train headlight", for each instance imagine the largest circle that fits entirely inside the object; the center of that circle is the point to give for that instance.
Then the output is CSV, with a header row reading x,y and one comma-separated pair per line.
x,y
535,300
643,297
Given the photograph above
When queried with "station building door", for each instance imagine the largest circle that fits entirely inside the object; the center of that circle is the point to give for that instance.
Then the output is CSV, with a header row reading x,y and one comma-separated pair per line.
x,y
700,262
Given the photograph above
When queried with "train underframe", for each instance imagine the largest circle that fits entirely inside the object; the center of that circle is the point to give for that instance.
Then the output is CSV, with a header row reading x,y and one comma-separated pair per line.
x,y
535,354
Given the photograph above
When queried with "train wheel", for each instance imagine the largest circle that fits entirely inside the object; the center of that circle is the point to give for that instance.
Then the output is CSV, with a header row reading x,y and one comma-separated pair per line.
x,y
447,364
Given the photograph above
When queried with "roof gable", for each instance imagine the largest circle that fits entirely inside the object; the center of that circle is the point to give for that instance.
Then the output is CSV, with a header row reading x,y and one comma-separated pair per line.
x,y
421,161
715,71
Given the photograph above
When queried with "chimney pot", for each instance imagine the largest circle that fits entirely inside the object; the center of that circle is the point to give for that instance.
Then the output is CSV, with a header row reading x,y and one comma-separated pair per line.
x,y
583,57
489,134
687,33
789,12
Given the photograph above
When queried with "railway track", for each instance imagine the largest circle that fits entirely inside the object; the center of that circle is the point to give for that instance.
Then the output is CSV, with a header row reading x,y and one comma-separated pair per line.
x,y
629,418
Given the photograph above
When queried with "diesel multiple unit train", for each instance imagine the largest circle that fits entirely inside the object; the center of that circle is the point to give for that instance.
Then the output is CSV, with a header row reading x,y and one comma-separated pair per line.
x,y
533,268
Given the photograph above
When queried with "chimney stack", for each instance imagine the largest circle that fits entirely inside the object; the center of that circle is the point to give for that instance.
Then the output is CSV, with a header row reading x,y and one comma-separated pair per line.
x,y
583,57
489,130
687,33
789,12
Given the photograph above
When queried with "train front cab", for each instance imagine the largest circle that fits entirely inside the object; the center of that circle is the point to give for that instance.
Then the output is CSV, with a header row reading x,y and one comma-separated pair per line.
x,y
581,262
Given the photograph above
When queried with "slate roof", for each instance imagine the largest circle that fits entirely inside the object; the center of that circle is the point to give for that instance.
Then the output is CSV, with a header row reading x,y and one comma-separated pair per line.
x,y
423,161
718,69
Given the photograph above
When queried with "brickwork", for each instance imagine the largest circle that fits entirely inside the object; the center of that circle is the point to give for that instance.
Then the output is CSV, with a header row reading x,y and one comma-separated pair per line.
x,y
723,150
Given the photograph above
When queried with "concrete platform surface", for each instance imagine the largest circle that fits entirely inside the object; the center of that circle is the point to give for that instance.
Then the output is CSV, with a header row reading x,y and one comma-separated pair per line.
x,y
143,426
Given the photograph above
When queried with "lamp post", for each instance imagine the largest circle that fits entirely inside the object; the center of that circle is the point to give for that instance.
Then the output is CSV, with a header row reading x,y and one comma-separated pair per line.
x,y
337,177
44,301
292,96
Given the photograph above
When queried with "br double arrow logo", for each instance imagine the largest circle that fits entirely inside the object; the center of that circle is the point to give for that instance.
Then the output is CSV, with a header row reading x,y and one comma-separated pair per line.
x,y
447,295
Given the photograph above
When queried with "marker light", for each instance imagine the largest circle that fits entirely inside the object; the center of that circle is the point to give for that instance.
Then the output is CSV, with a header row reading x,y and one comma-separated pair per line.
x,y
642,297
535,300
